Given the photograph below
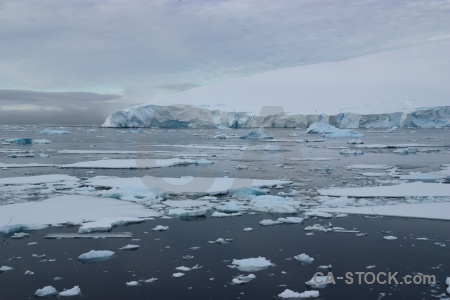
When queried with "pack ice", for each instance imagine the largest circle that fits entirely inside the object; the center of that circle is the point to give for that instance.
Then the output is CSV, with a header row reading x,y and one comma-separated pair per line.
x,y
404,88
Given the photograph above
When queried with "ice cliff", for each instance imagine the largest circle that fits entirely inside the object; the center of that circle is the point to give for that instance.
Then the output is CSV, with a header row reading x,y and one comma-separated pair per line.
x,y
403,88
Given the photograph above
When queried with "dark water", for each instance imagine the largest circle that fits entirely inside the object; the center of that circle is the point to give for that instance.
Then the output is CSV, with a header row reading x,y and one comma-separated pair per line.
x,y
161,252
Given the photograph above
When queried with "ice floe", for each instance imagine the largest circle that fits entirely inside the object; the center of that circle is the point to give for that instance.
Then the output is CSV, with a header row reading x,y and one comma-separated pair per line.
x,y
251,264
46,291
73,209
129,247
187,213
160,228
38,179
273,204
304,258
6,268
218,214
241,279
319,281
390,238
107,224
417,189
186,203
96,255
439,211
289,294
129,163
132,283
331,131
178,274
54,132
30,165
75,291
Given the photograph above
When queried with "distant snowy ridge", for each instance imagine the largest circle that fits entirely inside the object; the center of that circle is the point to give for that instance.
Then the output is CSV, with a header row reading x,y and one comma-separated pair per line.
x,y
404,88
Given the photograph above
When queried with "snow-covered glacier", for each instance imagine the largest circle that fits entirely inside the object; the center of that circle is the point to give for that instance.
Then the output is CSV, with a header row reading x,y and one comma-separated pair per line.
x,y
401,88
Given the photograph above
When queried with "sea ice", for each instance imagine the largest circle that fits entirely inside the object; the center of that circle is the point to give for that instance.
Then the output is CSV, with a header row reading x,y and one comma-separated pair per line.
x,y
273,204
28,273
52,131
178,274
318,214
160,228
241,279
304,258
187,213
129,247
132,283
19,235
75,291
251,264
6,268
319,281
107,224
185,203
46,291
331,131
129,163
390,237
269,222
41,141
291,220
96,255
289,294
218,214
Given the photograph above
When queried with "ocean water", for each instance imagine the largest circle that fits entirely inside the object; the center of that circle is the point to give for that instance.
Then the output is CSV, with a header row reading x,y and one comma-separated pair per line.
x,y
308,160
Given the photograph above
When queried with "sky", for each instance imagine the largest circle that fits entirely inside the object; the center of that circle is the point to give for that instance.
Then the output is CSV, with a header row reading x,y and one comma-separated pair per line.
x,y
75,62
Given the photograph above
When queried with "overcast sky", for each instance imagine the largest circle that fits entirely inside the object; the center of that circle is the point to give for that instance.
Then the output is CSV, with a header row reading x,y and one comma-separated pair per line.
x,y
74,62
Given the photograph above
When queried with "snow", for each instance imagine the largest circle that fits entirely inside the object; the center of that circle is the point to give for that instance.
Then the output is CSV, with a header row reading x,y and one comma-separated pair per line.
x,y
70,208
403,80
438,211
54,132
417,189
46,291
304,258
129,163
289,294
75,291
96,255
106,224
251,264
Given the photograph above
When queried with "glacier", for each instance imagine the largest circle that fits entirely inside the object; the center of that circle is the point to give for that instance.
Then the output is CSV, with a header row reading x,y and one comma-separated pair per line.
x,y
399,88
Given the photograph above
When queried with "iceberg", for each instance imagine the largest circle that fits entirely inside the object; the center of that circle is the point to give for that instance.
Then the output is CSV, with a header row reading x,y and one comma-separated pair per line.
x,y
304,258
289,294
405,88
75,291
46,291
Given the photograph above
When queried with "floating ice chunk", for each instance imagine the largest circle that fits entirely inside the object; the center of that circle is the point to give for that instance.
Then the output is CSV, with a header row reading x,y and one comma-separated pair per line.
x,y
247,191
273,204
132,283
6,268
354,141
263,148
160,228
390,237
20,235
28,273
96,255
318,227
291,220
331,131
186,213
217,214
129,163
241,279
89,235
251,264
402,151
185,203
447,281
289,294
221,241
304,258
75,291
187,269
269,222
107,224
318,214
319,281
370,267
150,280
351,152
418,189
178,274
324,267
38,255
39,179
129,247
46,291
41,141
52,131
254,134
248,229
204,162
